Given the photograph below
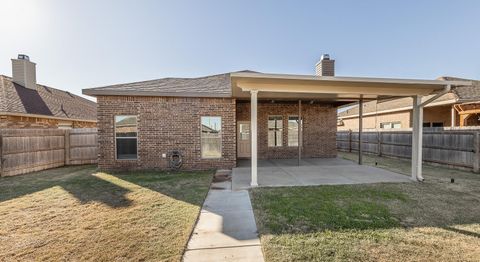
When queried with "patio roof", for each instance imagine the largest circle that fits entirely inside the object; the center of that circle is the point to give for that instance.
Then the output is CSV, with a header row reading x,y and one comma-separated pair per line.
x,y
254,86
331,88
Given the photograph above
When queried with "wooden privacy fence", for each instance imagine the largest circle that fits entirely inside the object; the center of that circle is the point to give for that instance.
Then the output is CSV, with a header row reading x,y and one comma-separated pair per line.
x,y
28,150
454,148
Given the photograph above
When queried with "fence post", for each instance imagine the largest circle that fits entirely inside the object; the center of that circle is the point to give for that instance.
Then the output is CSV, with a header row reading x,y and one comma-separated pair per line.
x,y
67,147
1,155
379,138
350,141
476,155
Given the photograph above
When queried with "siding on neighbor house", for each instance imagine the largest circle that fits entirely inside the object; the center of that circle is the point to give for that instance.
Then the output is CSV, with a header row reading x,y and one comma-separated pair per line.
x,y
166,124
319,129
11,122
430,114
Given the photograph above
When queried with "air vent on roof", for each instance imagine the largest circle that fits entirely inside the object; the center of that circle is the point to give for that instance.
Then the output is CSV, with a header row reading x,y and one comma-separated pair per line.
x,y
23,57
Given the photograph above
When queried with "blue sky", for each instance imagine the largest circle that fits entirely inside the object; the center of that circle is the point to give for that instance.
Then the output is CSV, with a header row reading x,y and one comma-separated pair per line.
x,y
81,44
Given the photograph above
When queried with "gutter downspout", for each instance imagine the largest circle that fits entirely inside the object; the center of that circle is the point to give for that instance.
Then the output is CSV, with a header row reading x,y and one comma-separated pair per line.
x,y
419,107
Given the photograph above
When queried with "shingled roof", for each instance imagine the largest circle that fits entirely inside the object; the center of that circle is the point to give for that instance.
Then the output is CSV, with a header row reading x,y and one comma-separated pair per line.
x,y
46,101
465,93
209,86
459,94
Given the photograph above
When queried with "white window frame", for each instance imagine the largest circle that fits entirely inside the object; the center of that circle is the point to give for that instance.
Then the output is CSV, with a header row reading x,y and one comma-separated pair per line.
x,y
390,124
115,138
221,139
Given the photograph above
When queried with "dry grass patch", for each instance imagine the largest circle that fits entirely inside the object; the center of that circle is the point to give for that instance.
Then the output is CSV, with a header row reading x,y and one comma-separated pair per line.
x,y
431,221
75,213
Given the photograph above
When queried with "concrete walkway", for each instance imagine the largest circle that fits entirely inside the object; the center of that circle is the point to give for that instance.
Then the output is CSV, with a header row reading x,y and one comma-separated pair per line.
x,y
226,229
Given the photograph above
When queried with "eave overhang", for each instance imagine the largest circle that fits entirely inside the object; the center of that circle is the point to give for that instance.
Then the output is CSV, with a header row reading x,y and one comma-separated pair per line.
x,y
328,88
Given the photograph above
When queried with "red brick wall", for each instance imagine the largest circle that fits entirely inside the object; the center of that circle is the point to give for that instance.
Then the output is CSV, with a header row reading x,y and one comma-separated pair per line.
x,y
166,124
319,129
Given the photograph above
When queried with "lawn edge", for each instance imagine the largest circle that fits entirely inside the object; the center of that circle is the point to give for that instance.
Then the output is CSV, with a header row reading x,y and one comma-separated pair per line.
x,y
198,217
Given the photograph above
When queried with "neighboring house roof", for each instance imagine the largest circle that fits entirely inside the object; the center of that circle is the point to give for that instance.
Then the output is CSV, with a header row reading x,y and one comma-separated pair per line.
x,y
44,101
465,93
393,105
459,94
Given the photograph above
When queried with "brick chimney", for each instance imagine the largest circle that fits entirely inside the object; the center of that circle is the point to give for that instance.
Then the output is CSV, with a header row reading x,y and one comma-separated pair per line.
x,y
325,67
24,72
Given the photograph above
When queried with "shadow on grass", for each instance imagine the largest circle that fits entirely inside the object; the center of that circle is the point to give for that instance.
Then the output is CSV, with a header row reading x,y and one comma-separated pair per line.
x,y
78,181
82,183
463,232
183,186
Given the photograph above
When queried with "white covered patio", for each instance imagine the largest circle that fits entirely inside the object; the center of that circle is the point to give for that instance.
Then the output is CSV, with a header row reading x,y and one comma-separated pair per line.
x,y
307,88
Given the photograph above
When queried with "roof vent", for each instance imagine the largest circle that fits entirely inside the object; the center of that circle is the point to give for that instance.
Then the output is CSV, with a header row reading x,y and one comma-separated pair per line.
x,y
23,57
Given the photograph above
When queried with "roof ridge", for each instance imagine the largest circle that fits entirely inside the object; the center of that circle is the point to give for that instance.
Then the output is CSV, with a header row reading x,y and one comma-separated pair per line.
x,y
67,92
3,97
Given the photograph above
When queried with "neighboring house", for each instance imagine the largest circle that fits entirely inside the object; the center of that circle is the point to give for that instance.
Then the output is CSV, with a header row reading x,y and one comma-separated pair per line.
x,y
26,104
212,121
460,107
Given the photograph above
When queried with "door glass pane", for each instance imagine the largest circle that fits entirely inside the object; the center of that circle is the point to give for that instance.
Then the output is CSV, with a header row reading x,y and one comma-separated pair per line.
x,y
244,131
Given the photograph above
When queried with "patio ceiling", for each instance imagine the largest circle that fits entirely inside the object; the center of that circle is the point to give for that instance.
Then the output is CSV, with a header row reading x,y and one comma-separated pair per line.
x,y
327,88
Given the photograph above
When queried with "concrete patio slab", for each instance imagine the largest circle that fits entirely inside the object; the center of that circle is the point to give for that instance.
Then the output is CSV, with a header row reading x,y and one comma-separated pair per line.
x,y
312,171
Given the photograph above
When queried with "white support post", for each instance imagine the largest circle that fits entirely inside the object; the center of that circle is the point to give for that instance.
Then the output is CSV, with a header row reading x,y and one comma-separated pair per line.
x,y
300,132
253,129
417,138
360,130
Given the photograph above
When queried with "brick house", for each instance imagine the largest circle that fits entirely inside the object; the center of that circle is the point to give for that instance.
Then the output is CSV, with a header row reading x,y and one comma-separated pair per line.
x,y
459,107
26,104
212,121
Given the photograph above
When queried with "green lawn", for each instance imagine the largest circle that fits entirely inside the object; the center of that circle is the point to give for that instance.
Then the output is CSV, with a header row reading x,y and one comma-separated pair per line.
x,y
431,221
75,213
